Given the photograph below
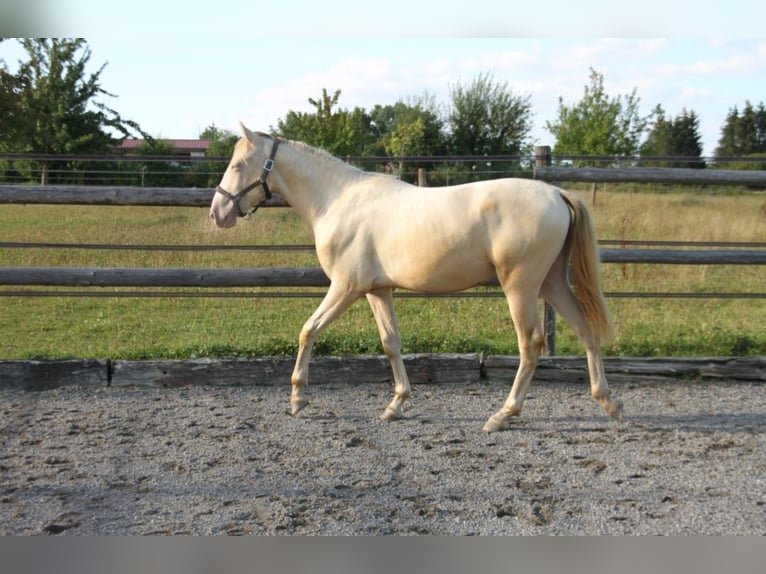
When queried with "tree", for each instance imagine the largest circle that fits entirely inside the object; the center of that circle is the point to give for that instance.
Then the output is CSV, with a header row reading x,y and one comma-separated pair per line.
x,y
338,131
51,105
220,144
10,113
158,173
486,118
598,124
744,135
677,137
410,127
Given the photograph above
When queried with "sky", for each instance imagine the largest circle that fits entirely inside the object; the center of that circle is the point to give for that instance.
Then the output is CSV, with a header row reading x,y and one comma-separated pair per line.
x,y
176,69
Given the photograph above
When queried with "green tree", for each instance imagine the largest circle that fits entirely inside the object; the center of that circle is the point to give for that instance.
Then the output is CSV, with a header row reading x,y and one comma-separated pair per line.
x,y
220,145
51,104
486,118
158,173
744,135
410,127
677,137
338,131
220,142
598,124
10,112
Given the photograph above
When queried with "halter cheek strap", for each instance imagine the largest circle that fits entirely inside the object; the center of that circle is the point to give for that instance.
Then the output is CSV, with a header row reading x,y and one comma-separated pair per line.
x,y
268,166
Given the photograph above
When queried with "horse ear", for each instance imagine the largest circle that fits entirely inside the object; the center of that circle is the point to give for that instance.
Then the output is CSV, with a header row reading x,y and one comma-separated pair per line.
x,y
246,133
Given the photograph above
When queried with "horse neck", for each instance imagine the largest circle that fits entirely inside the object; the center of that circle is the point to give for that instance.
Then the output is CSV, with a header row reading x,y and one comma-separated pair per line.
x,y
310,180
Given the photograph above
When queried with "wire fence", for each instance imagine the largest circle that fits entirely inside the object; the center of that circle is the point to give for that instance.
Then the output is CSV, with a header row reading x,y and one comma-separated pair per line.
x,y
202,171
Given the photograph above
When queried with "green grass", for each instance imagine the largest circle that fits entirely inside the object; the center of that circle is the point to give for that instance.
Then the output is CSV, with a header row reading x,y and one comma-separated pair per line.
x,y
176,327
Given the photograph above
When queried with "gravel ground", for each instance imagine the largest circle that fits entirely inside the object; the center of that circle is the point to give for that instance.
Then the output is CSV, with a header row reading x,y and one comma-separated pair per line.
x,y
688,459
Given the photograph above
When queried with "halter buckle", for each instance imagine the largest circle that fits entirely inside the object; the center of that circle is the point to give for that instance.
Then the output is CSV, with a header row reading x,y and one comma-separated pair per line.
x,y
268,165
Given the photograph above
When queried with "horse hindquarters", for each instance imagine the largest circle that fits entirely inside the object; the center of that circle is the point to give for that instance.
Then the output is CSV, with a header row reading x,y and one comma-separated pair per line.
x,y
521,274
586,312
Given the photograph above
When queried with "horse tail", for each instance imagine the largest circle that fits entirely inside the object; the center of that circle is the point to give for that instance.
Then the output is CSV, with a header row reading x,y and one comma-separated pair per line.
x,y
586,275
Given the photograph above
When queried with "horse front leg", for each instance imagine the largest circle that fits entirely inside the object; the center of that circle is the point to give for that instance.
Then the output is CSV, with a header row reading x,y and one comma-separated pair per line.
x,y
335,302
382,303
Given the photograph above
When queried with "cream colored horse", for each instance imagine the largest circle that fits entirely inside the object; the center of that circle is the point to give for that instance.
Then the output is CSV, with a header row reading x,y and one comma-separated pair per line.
x,y
374,233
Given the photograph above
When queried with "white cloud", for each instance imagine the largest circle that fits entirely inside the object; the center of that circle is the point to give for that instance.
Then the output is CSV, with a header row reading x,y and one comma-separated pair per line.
x,y
747,63
501,61
693,92
437,67
584,55
652,45
718,42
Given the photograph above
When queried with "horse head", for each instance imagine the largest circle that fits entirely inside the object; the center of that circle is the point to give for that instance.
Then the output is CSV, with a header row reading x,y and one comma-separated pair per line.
x,y
245,174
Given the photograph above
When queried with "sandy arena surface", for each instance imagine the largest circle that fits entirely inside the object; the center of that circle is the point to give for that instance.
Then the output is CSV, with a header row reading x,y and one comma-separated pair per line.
x,y
689,458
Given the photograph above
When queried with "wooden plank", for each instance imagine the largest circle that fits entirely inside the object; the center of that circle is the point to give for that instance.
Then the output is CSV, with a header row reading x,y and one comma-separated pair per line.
x,y
651,175
685,257
424,368
164,277
307,276
114,195
575,369
443,368
42,375
183,372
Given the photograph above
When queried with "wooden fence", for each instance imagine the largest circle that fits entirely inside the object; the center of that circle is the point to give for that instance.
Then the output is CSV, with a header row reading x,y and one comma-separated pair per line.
x,y
314,277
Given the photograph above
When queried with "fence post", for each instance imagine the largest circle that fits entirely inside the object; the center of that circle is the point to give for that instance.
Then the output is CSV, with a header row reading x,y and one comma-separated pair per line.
x,y
422,177
543,159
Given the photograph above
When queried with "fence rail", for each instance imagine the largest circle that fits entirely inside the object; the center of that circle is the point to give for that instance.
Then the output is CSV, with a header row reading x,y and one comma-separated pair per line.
x,y
651,175
307,276
311,247
114,195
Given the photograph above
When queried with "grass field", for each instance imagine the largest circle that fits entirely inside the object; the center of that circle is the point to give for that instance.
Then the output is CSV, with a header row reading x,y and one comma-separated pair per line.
x,y
177,327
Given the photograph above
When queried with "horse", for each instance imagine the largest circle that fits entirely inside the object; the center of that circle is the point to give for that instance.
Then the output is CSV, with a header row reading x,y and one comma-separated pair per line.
x,y
374,233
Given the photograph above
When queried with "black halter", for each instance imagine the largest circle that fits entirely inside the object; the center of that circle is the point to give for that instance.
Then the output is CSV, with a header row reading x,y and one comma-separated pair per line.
x,y
268,165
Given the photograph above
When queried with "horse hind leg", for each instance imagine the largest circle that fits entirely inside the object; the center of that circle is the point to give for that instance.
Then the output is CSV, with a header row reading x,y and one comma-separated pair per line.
x,y
382,304
558,293
523,307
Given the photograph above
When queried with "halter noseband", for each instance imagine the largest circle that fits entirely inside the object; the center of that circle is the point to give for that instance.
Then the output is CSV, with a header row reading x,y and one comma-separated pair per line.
x,y
268,165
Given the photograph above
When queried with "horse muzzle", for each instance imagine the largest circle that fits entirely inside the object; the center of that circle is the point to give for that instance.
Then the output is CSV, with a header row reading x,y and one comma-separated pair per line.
x,y
223,215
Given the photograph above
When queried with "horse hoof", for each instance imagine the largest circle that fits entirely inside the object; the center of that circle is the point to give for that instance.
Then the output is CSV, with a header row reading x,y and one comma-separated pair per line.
x,y
615,410
297,404
391,414
496,423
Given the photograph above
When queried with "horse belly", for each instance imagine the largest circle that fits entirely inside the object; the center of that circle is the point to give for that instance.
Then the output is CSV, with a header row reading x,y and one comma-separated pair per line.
x,y
432,269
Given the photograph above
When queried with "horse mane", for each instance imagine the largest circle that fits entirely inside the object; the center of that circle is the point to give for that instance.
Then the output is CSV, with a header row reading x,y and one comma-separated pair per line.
x,y
323,155
241,152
